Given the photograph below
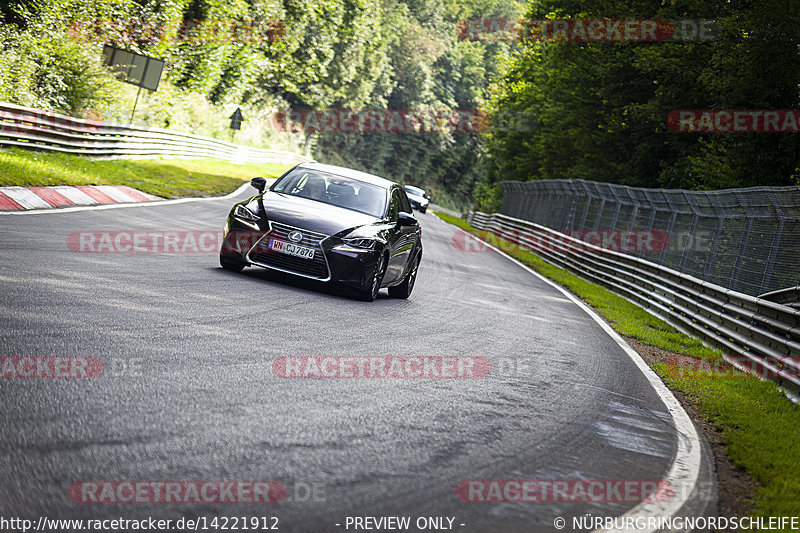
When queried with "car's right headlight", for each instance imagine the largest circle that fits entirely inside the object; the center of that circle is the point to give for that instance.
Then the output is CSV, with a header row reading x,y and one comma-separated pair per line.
x,y
357,245
368,244
245,214
246,217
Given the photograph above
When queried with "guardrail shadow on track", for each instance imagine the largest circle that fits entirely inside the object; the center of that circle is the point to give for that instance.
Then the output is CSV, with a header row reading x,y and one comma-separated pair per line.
x,y
755,334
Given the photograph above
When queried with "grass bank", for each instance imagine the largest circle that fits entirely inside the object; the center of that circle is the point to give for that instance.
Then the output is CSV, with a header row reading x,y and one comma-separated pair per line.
x,y
169,178
758,425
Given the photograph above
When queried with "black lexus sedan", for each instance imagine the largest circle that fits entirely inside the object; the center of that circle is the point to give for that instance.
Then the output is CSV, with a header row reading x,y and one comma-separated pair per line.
x,y
330,224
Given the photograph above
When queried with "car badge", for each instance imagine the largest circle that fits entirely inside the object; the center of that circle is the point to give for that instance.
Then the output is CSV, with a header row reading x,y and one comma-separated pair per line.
x,y
295,236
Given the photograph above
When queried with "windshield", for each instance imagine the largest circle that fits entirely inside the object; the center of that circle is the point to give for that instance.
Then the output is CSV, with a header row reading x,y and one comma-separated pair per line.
x,y
414,190
335,190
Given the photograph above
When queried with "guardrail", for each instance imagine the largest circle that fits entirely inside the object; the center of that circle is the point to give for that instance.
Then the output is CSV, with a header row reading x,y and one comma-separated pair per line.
x,y
35,129
789,296
745,239
756,335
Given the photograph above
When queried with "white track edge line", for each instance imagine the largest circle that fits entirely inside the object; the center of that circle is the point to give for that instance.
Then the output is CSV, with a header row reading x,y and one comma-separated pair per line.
x,y
235,193
685,469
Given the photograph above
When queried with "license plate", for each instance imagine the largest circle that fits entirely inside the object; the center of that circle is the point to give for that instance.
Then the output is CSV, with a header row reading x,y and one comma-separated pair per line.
x,y
291,249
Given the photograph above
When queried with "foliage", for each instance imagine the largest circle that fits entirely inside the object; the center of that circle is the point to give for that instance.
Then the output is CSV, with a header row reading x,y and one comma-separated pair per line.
x,y
328,54
42,67
602,106
488,197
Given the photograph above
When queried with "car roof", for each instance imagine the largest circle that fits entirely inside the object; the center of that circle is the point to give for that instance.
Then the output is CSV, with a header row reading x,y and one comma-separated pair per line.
x,y
349,173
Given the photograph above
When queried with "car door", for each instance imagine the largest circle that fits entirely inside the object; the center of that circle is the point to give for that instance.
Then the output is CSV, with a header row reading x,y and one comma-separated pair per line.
x,y
402,238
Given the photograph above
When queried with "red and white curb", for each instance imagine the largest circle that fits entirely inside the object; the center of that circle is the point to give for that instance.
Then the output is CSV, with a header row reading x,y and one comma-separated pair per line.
x,y
26,198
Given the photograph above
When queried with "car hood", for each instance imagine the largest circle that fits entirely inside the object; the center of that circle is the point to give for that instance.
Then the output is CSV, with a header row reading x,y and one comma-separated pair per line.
x,y
312,215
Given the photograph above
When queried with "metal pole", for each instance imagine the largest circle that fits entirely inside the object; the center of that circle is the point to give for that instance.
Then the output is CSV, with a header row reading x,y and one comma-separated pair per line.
x,y
134,104
773,252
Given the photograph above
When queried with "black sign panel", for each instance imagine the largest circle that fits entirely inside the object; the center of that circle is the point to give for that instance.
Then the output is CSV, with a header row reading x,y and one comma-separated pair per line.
x,y
136,69
236,119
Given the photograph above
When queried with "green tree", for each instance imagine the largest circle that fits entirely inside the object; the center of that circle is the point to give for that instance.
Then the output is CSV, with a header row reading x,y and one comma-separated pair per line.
x,y
602,107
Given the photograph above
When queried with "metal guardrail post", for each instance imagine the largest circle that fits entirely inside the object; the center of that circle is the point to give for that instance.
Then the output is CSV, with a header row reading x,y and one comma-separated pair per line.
x,y
692,232
596,224
773,252
712,252
670,225
589,199
734,281
689,243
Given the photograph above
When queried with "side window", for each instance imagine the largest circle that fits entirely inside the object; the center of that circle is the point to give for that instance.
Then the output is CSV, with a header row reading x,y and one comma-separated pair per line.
x,y
405,205
394,206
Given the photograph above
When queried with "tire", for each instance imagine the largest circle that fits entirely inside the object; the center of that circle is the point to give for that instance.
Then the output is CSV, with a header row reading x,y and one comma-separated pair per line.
x,y
423,209
228,261
371,294
403,290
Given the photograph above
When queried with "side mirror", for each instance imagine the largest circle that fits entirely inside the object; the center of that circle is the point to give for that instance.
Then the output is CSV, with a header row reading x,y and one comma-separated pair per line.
x,y
406,219
259,183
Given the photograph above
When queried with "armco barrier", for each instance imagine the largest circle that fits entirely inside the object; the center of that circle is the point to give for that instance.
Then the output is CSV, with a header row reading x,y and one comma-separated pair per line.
x,y
789,296
745,239
35,129
755,334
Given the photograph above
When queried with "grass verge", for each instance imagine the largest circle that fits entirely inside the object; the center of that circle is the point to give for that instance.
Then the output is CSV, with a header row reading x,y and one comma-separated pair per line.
x,y
169,178
758,425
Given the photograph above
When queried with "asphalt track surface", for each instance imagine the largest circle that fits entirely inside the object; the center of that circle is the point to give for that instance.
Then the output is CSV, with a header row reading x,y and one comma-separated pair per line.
x,y
188,391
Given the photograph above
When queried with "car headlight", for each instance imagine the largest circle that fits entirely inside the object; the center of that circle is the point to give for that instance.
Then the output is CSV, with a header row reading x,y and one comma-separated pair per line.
x,y
244,213
367,244
356,245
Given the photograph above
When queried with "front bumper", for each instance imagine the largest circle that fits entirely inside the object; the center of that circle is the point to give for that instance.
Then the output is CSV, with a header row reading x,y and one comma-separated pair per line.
x,y
346,266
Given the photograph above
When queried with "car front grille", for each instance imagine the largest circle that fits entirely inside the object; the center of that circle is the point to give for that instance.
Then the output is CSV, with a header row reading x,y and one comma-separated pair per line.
x,y
316,268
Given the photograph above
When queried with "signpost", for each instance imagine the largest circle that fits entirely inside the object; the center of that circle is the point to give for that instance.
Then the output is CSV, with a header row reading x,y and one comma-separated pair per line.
x,y
136,69
236,121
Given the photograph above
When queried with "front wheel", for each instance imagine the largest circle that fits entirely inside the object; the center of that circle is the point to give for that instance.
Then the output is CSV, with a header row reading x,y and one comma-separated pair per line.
x,y
404,289
371,294
228,261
